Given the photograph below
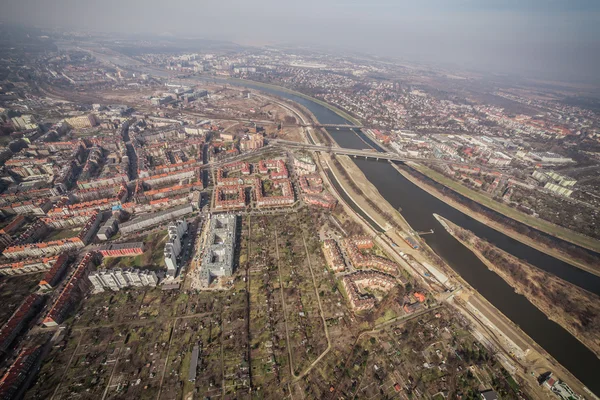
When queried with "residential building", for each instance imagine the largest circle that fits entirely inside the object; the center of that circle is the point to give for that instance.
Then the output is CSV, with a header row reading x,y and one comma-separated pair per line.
x,y
56,272
218,253
156,218
172,249
304,163
108,229
82,121
18,320
333,255
43,249
12,383
71,291
122,249
353,283
116,279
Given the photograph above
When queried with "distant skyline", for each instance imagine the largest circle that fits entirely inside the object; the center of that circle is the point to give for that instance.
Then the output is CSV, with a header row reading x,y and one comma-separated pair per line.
x,y
549,39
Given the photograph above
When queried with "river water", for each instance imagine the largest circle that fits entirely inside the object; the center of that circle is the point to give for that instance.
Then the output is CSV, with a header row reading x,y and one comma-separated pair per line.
x,y
418,208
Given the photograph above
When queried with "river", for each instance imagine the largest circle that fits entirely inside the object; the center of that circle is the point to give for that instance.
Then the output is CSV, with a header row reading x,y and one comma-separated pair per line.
x,y
418,208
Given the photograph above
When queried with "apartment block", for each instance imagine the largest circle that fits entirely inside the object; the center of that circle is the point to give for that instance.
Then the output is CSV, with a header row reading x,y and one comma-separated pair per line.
x,y
218,253
116,279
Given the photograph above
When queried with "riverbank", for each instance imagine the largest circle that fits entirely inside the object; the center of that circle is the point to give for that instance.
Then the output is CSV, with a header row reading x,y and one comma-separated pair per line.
x,y
536,223
336,110
517,312
575,309
520,354
502,228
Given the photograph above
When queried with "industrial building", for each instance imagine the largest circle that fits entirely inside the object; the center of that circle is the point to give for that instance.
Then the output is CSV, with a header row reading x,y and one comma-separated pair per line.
x,y
220,247
559,184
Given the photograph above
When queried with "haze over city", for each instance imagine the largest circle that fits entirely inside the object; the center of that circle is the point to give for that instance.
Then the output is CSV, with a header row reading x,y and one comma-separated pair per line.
x,y
319,200
547,39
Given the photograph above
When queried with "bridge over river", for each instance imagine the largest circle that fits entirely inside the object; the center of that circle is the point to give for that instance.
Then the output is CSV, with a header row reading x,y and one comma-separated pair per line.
x,y
367,153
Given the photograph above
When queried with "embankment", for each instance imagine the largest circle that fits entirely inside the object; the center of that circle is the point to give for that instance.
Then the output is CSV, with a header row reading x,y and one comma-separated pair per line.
x,y
545,242
575,309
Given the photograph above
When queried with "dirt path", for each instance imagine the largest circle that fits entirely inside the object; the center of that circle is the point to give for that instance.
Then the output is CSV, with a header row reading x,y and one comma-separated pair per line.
x,y
311,366
287,334
68,365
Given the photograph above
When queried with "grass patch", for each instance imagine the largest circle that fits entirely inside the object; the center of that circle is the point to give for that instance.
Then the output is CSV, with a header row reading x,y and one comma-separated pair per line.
x,y
152,258
63,234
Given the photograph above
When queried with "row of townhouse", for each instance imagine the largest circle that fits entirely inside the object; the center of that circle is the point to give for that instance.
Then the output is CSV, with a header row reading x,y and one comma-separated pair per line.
x,y
165,169
324,200
117,191
156,218
28,266
287,197
159,204
230,197
360,260
73,289
149,195
242,166
88,231
117,178
18,320
53,276
35,207
60,221
165,178
281,172
35,231
76,209
311,184
122,249
14,381
43,249
223,180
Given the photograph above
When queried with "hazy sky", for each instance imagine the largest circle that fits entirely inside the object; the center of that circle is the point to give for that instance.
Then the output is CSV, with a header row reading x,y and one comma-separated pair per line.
x,y
549,38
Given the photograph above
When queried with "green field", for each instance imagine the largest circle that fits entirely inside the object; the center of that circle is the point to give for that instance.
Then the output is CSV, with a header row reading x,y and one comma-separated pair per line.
x,y
537,223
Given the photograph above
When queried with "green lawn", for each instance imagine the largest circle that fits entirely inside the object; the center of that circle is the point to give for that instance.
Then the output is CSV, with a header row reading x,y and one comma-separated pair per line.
x,y
63,234
152,258
542,225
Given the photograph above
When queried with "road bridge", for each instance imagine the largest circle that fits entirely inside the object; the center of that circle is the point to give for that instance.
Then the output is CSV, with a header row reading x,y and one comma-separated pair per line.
x,y
366,153
338,126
